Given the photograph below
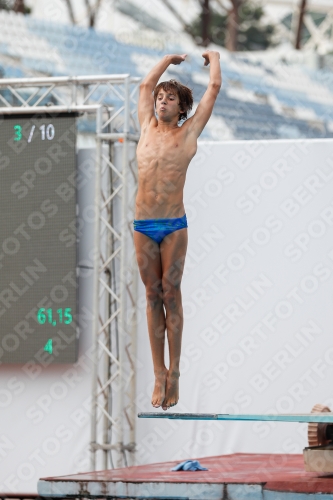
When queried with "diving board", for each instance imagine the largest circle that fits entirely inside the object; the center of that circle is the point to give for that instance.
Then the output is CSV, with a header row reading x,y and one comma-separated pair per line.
x,y
321,418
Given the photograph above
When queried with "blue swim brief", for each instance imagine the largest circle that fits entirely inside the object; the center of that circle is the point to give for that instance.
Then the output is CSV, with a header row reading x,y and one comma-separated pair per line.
x,y
157,229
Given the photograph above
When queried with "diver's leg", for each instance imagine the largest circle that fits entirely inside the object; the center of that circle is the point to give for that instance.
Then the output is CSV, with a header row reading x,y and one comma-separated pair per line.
x,y
150,267
173,251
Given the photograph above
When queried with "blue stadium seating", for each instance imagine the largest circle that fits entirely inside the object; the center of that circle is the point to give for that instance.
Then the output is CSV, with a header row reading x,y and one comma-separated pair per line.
x,y
266,105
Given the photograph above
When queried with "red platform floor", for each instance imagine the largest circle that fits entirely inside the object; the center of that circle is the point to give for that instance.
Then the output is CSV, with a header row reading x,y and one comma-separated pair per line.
x,y
234,477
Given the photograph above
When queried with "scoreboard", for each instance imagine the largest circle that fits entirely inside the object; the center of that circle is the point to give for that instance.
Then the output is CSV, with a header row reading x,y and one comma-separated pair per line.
x,y
38,278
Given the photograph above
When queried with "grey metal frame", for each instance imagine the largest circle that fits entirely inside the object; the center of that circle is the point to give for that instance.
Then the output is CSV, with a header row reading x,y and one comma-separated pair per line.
x,y
320,40
113,101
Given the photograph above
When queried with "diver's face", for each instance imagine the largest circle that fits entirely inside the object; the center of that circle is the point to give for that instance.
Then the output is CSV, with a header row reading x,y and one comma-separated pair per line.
x,y
167,105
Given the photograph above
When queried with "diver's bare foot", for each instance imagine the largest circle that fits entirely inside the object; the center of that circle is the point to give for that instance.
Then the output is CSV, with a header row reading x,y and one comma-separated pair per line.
x,y
172,390
159,388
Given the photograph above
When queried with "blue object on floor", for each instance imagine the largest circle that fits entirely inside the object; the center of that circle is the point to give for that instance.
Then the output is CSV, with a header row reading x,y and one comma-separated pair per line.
x,y
189,465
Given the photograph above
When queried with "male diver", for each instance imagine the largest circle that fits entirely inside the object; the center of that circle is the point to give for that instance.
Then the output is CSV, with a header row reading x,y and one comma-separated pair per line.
x,y
164,152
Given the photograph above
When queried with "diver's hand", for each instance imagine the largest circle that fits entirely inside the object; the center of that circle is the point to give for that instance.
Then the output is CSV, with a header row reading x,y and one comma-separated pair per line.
x,y
209,54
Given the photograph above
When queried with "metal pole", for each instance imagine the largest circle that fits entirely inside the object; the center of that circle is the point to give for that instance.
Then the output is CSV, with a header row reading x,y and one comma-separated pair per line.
x,y
67,80
47,109
133,352
123,272
134,319
107,330
96,287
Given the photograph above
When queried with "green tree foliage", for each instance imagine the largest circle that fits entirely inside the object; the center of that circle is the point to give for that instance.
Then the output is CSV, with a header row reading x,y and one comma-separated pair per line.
x,y
252,33
4,5
13,5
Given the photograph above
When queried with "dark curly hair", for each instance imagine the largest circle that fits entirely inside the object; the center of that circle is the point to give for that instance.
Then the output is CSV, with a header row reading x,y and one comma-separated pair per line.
x,y
184,94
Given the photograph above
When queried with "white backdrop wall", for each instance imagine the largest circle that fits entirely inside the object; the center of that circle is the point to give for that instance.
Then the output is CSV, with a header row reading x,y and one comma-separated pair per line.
x,y
257,295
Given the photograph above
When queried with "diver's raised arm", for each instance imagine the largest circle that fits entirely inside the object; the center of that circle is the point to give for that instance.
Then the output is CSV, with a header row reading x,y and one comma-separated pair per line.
x,y
146,100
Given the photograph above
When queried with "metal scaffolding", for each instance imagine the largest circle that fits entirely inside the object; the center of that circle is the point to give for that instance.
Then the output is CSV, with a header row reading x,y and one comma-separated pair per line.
x,y
112,100
320,39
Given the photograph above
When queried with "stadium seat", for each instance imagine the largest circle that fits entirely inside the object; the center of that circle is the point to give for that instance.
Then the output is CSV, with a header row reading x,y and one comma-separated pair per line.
x,y
258,100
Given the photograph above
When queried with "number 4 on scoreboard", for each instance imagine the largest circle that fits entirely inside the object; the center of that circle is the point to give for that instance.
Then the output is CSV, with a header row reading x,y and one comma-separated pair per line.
x,y
48,346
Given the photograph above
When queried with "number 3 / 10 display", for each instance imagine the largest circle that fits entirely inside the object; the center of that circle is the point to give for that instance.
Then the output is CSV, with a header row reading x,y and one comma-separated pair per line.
x,y
46,132
46,315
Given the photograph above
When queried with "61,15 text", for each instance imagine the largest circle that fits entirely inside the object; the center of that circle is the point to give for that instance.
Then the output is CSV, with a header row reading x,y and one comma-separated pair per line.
x,y
46,316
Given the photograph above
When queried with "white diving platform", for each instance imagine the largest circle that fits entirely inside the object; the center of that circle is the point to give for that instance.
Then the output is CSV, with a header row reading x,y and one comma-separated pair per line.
x,y
320,418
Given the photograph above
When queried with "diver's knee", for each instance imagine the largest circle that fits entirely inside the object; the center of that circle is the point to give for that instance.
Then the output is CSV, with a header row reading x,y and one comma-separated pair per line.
x,y
171,297
154,294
